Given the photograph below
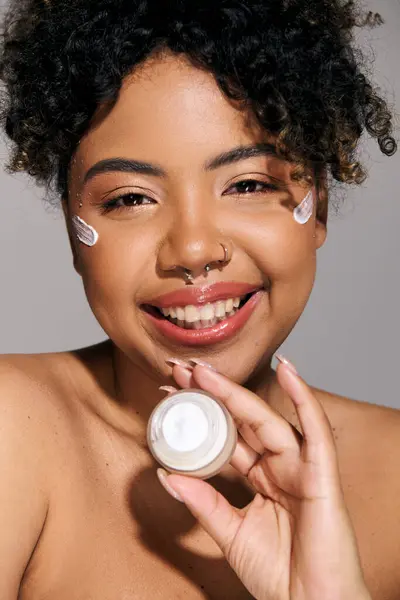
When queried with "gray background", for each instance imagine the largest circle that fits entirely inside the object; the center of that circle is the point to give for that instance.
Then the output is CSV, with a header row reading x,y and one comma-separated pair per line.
x,y
345,342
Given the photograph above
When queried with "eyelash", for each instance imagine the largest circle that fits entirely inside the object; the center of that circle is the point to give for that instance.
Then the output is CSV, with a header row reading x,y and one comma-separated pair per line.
x,y
112,205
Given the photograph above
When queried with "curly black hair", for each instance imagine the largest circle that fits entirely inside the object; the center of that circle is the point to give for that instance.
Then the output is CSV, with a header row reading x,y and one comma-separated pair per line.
x,y
291,62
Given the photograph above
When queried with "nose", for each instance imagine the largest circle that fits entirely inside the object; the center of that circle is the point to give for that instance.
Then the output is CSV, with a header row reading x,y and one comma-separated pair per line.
x,y
192,243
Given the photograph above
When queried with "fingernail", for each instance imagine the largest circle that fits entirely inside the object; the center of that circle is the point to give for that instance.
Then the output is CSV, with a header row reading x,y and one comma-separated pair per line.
x,y
286,362
168,388
179,362
162,476
196,361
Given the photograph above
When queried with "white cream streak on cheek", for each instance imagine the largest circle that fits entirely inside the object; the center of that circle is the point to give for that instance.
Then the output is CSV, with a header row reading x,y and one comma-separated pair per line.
x,y
84,232
304,210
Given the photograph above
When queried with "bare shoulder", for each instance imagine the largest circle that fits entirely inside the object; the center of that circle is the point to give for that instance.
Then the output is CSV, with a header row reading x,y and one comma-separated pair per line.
x,y
25,382
45,393
368,444
45,380
26,461
42,399
367,439
37,393
364,430
31,381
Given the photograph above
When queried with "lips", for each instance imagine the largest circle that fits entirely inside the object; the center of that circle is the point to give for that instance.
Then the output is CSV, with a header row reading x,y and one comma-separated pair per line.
x,y
156,312
198,296
220,332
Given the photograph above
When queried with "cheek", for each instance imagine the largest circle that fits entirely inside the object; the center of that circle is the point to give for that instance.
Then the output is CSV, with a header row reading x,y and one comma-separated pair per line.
x,y
287,250
109,272
289,261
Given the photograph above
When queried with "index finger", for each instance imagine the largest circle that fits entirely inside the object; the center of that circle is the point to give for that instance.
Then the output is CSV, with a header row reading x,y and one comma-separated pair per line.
x,y
273,431
319,445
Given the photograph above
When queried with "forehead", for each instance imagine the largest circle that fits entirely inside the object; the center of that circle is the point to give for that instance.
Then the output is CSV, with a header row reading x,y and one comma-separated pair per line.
x,y
168,112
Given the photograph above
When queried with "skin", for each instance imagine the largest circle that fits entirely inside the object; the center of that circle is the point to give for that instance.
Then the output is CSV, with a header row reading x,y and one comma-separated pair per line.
x,y
81,495
188,214
294,540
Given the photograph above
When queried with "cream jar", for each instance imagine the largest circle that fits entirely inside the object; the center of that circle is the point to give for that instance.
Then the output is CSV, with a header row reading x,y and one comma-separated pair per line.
x,y
191,433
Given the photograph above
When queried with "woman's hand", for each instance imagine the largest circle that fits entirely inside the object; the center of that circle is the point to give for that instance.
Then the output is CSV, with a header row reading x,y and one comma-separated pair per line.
x,y
295,540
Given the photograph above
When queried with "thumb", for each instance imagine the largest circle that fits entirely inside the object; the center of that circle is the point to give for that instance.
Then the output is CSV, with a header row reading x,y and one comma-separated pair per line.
x,y
220,519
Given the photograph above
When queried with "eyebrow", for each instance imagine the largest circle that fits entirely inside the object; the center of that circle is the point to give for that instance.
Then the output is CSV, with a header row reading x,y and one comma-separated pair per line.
x,y
126,165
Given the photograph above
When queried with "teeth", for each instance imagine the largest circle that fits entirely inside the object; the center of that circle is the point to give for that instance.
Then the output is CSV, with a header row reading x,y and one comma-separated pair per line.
x,y
229,305
191,314
220,309
208,312
179,314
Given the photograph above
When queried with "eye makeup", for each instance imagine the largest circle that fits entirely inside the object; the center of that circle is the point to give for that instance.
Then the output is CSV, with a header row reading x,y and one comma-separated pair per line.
x,y
134,200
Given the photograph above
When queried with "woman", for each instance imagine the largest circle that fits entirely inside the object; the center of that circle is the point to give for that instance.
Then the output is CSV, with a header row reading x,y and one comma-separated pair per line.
x,y
192,145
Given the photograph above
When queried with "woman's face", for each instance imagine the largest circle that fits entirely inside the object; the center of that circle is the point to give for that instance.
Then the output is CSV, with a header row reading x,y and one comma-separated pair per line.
x,y
173,116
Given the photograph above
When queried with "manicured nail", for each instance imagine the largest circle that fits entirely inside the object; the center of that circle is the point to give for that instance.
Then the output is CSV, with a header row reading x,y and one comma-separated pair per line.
x,y
168,388
197,361
286,362
179,362
162,476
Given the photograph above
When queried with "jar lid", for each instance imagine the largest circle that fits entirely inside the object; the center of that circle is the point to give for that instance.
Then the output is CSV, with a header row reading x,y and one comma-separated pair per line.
x,y
188,430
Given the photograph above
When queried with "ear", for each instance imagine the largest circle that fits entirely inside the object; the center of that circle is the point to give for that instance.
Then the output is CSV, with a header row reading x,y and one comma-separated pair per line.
x,y
65,207
321,217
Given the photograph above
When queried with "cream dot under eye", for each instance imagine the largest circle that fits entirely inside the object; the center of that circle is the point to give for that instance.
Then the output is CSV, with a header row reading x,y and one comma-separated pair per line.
x,y
185,427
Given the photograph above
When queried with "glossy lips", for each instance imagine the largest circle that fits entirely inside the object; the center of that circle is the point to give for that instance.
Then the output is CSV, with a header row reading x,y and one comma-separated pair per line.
x,y
219,332
205,294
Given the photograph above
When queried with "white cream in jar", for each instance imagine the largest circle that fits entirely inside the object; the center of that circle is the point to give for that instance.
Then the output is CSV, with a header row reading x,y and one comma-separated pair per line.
x,y
192,433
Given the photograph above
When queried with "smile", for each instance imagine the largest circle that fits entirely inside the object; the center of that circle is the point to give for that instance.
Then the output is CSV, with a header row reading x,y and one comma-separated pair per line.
x,y
201,317
213,322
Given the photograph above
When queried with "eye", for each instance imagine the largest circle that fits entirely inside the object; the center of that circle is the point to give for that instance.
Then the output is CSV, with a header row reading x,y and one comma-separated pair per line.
x,y
253,186
130,200
133,200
